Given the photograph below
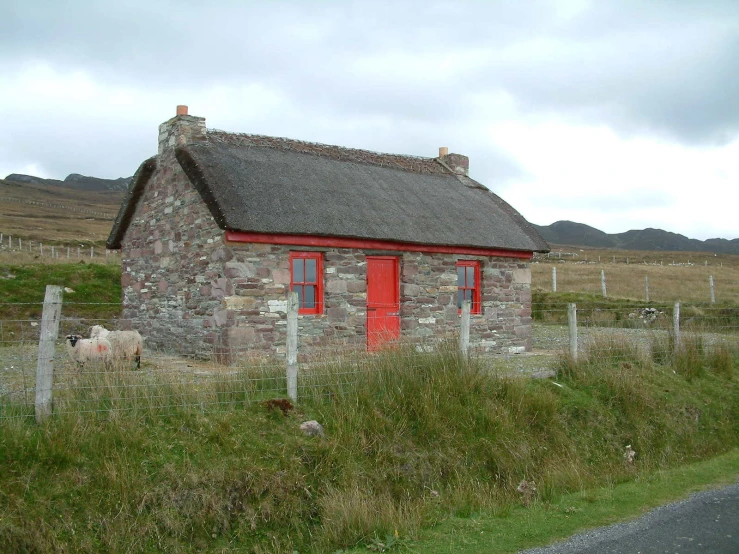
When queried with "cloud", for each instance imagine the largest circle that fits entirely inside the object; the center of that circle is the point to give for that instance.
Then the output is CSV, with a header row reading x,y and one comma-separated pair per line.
x,y
592,175
580,108
659,67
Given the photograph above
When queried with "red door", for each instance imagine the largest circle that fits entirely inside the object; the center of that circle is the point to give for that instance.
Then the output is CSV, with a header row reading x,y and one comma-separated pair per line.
x,y
383,301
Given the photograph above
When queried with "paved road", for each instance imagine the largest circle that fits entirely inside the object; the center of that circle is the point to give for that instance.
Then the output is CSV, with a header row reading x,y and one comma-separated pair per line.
x,y
707,522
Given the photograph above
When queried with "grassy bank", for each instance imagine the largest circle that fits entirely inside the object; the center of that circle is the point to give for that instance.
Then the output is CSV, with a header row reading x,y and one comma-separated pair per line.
x,y
569,514
419,440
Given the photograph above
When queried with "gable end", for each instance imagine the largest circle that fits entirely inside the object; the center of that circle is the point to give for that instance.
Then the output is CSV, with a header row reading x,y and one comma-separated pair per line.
x,y
128,207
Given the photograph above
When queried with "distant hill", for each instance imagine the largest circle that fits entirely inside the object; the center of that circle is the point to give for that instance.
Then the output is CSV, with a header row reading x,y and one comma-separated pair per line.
x,y
55,214
579,234
75,181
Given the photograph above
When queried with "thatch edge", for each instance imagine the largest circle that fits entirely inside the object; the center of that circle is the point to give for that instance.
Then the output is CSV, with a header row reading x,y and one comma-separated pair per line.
x,y
128,207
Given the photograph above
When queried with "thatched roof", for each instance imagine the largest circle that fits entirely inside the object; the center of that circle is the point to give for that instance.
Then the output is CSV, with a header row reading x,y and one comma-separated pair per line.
x,y
271,185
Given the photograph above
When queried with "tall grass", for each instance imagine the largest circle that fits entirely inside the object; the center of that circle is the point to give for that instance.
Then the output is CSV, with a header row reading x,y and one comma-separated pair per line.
x,y
413,438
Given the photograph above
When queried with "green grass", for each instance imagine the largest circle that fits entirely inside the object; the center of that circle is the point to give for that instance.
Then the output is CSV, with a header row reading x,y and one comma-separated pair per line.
x,y
96,286
416,444
544,523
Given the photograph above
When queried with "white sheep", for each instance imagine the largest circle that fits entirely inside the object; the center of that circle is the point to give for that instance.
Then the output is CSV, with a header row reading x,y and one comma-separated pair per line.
x,y
85,350
126,344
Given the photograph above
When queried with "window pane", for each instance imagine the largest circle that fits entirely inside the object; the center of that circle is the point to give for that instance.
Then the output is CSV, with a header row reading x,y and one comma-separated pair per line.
x,y
470,276
310,297
460,276
468,294
310,271
460,295
298,273
299,290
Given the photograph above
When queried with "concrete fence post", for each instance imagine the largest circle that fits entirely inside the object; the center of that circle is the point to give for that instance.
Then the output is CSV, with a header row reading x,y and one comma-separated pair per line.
x,y
603,282
572,327
292,346
47,341
464,328
713,290
554,279
646,286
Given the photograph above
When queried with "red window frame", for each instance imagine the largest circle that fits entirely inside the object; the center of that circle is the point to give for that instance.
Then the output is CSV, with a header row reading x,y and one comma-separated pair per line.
x,y
466,289
301,279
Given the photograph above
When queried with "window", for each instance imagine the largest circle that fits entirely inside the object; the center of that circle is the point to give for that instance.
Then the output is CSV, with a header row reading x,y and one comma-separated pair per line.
x,y
468,284
306,278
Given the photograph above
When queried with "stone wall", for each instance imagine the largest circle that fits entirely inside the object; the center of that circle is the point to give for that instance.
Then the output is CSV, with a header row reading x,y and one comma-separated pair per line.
x,y
172,258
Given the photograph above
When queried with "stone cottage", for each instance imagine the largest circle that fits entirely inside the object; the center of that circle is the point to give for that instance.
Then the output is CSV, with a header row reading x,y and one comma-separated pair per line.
x,y
218,228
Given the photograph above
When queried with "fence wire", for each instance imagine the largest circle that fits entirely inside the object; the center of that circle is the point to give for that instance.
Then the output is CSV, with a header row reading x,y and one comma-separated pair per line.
x,y
218,376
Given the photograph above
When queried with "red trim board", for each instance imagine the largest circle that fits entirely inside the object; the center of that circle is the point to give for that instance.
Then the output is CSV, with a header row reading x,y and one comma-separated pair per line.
x,y
345,242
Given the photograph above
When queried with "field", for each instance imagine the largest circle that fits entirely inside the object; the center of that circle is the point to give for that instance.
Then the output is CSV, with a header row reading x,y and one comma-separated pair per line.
x,y
673,276
56,215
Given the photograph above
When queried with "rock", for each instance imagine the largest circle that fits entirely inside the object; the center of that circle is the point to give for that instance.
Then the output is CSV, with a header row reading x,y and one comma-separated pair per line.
x,y
312,428
68,290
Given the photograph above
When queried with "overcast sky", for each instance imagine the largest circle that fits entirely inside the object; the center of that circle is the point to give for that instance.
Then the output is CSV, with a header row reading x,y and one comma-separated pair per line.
x,y
618,114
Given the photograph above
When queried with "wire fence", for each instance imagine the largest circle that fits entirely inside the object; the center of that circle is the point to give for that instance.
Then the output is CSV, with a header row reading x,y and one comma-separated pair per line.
x,y
53,251
219,375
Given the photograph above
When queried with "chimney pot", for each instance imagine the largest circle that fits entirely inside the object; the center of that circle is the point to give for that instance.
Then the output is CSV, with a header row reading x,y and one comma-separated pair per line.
x,y
443,151
181,110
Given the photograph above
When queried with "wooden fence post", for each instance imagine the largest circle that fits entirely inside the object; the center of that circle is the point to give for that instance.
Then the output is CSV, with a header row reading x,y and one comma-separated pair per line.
x,y
713,291
572,328
292,346
603,281
554,279
464,328
676,324
46,346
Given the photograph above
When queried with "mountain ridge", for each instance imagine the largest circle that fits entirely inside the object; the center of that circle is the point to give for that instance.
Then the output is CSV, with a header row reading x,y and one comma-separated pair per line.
x,y
649,239
75,181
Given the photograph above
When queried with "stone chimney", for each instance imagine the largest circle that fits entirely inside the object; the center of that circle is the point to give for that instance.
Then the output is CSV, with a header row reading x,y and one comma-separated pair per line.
x,y
458,163
181,129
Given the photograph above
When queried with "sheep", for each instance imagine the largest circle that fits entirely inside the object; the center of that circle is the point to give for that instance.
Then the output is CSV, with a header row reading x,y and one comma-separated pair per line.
x,y
126,344
85,350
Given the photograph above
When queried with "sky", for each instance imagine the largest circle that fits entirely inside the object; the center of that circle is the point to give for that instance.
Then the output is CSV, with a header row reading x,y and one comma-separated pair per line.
x,y
614,113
